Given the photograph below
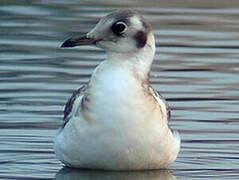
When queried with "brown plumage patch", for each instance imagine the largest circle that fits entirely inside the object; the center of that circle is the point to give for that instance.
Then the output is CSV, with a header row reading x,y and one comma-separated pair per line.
x,y
70,103
146,25
150,92
141,39
141,36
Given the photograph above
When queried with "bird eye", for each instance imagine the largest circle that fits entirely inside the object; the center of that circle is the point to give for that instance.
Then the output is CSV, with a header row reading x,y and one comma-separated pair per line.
x,y
119,28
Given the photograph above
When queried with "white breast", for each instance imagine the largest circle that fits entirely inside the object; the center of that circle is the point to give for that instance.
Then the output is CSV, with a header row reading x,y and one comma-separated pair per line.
x,y
122,129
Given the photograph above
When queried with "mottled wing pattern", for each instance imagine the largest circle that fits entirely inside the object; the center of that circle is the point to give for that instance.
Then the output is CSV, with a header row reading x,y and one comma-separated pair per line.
x,y
157,94
166,104
70,102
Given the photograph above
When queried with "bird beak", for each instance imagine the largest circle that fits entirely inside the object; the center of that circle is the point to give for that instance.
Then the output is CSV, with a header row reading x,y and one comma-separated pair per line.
x,y
72,42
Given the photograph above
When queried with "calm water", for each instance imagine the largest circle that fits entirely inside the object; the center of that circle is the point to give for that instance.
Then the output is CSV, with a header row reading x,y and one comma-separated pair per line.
x,y
196,68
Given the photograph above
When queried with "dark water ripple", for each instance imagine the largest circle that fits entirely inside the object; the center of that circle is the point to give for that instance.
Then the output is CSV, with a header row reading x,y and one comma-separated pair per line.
x,y
195,68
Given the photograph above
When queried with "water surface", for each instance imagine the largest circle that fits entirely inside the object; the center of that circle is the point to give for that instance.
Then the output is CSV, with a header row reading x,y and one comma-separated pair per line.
x,y
196,68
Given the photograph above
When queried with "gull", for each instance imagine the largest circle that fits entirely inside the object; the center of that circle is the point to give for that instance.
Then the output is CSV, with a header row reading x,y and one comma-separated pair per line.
x,y
118,121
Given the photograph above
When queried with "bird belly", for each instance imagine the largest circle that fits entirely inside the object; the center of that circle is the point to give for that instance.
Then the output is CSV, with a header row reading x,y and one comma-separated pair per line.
x,y
113,147
119,129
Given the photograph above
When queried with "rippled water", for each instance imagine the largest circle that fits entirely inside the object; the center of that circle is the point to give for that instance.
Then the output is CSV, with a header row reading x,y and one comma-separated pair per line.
x,y
195,68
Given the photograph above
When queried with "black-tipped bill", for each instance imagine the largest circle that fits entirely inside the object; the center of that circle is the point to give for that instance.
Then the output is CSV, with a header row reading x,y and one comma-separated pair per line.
x,y
72,42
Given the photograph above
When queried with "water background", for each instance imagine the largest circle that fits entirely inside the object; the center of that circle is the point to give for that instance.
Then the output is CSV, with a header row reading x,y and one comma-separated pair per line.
x,y
196,69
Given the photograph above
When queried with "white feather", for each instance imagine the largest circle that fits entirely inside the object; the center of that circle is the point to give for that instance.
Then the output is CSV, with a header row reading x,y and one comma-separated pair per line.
x,y
123,127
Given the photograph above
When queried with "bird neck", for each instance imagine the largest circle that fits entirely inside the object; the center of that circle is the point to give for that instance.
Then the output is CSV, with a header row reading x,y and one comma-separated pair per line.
x,y
138,61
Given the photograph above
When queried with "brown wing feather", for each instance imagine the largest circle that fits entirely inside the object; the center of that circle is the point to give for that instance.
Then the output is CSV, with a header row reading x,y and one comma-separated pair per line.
x,y
70,102
166,104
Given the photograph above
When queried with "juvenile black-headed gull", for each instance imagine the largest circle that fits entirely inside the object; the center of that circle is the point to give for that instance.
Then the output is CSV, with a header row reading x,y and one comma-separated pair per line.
x,y
117,121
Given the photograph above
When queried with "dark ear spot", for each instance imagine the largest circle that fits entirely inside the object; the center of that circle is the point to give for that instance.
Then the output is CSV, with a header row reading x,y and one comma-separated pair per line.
x,y
141,39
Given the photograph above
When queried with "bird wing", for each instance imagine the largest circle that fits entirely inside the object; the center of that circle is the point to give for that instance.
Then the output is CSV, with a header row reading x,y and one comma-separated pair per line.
x,y
70,103
166,104
159,98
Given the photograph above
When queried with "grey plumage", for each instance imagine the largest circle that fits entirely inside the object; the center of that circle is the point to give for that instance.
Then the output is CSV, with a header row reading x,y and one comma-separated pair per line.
x,y
70,103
